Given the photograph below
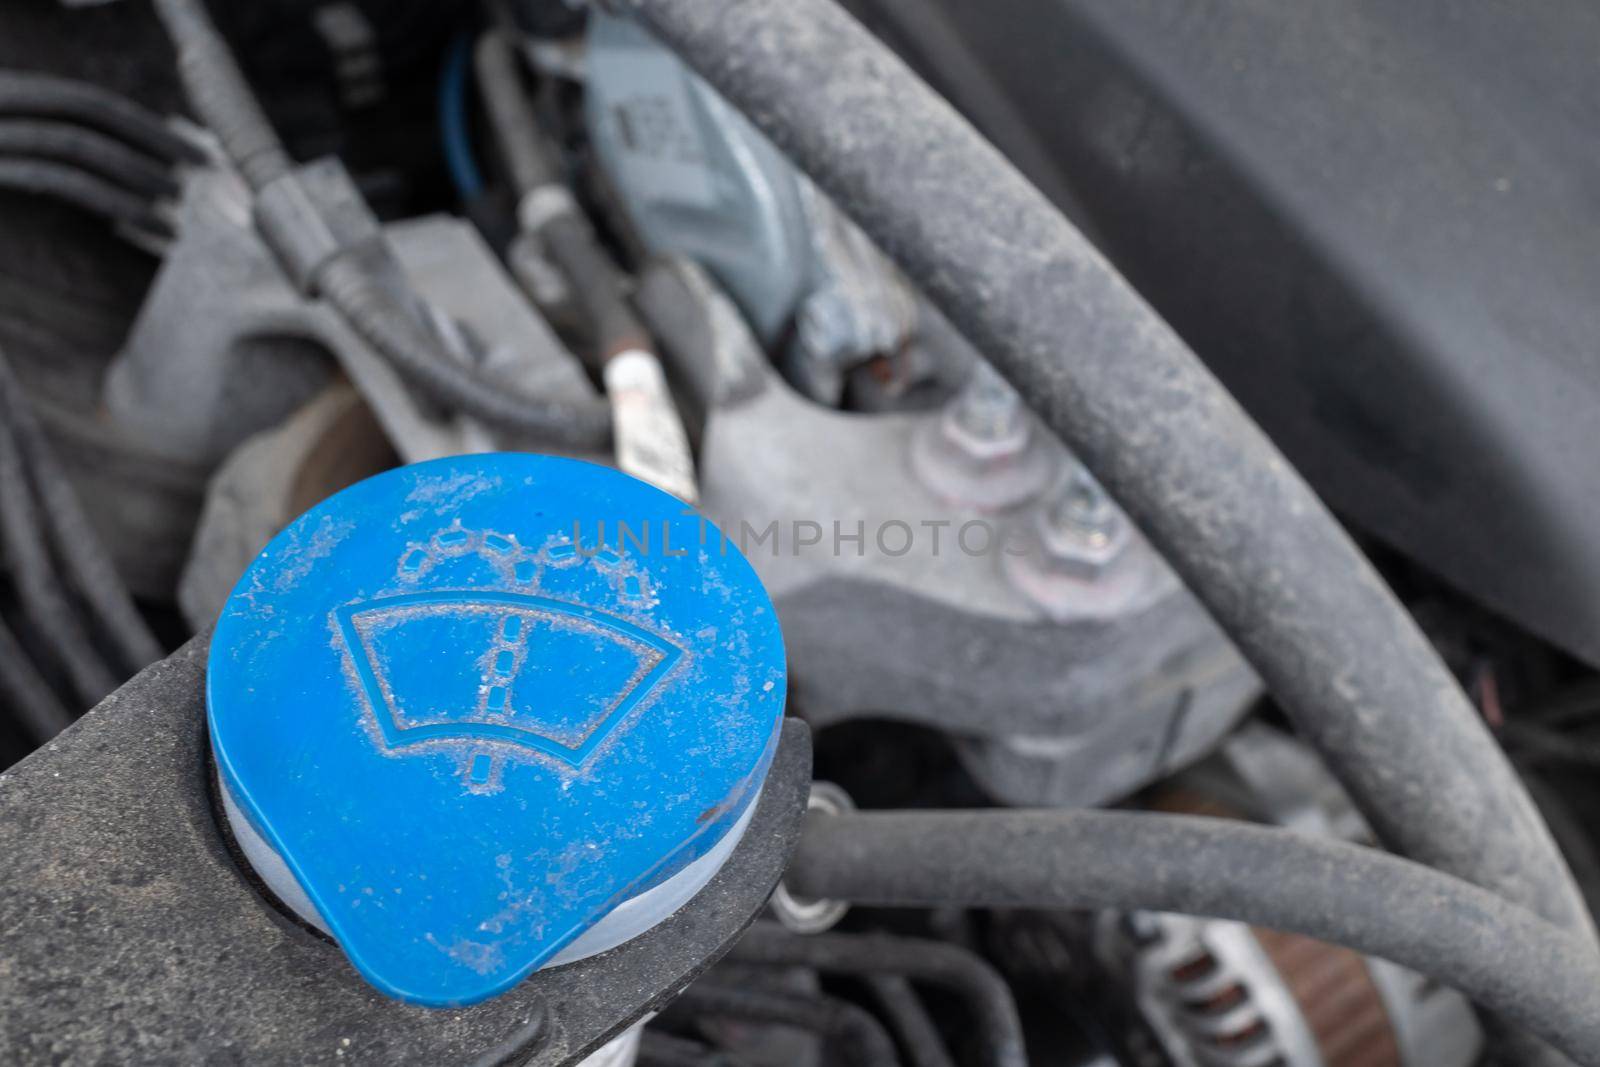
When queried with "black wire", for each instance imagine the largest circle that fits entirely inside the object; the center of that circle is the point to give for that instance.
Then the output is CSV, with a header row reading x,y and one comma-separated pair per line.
x,y
1572,832
48,96
848,1028
595,281
1571,707
657,1049
27,694
948,966
373,301
1542,744
43,600
378,313
219,93
912,1024
77,545
82,190
511,116
96,152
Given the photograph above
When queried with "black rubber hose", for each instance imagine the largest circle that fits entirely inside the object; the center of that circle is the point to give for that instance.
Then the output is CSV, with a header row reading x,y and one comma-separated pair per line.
x,y
1538,743
597,287
81,189
1574,706
909,1018
32,702
850,1029
45,96
935,963
667,1050
42,598
91,150
564,233
218,91
1501,955
511,114
76,543
377,312
1117,384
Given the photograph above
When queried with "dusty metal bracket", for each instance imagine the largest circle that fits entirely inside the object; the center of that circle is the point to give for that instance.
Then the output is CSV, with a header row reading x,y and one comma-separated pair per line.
x,y
1056,689
227,345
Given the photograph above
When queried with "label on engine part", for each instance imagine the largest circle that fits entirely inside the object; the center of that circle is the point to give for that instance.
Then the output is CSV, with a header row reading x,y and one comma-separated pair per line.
x,y
655,124
651,443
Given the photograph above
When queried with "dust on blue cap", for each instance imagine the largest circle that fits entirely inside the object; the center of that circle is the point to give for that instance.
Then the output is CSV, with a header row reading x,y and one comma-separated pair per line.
x,y
474,707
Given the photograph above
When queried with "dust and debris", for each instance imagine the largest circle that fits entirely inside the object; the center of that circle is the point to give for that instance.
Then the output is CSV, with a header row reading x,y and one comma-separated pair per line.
x,y
475,955
445,493
301,552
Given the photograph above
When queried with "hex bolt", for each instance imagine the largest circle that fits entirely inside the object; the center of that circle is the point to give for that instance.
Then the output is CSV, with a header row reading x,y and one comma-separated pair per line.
x,y
987,408
981,449
1081,529
1084,509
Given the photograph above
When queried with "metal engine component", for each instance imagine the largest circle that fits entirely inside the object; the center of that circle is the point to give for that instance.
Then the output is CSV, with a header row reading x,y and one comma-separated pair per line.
x,y
697,180
985,450
472,754
799,914
219,291
1225,994
898,602
944,598
225,347
220,288
332,442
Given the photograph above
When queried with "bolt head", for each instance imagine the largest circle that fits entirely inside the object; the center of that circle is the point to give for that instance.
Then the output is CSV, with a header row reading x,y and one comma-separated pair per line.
x,y
1081,530
983,435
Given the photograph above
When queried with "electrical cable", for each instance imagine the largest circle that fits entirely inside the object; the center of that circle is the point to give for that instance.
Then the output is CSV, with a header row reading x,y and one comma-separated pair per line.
x,y
511,115
948,966
46,96
70,143
851,1029
43,600
910,1020
378,313
651,443
76,543
1540,743
1572,706
219,93
374,302
562,230
28,695
1107,375
1498,953
80,189
454,131
657,1049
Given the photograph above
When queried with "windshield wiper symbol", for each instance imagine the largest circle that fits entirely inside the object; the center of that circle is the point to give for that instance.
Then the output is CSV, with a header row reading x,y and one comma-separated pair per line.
x,y
550,676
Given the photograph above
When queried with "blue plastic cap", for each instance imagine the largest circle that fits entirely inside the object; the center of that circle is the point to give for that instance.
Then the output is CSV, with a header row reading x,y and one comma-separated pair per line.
x,y
472,724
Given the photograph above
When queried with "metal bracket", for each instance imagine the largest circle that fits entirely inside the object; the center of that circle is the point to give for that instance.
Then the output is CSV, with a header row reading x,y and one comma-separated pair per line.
x,y
133,933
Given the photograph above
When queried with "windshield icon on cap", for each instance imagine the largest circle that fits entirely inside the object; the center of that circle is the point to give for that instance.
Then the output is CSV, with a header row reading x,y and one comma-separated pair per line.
x,y
501,668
